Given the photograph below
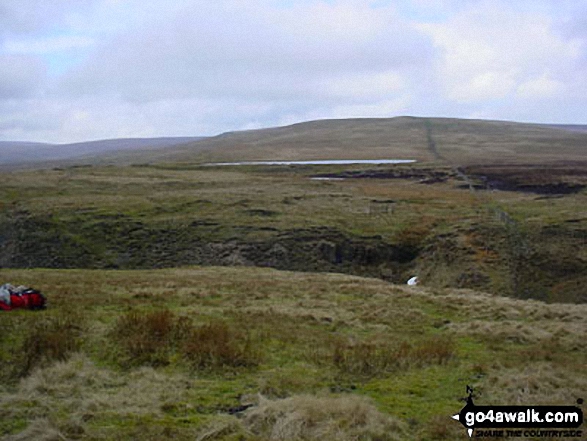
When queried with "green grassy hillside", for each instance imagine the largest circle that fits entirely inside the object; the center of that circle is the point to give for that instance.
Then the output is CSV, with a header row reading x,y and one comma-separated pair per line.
x,y
269,302
380,221
457,141
445,140
174,354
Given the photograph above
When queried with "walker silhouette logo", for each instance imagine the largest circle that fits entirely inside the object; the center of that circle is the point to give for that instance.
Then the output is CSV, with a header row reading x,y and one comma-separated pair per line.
x,y
500,421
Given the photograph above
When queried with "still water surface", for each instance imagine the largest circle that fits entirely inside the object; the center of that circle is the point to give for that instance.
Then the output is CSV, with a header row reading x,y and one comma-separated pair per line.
x,y
319,162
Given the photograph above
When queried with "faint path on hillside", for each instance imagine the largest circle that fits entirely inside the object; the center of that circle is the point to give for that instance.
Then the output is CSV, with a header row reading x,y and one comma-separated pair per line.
x,y
431,143
499,213
433,148
519,248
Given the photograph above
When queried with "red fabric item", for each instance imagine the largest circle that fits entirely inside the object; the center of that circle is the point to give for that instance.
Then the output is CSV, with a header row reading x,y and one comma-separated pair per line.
x,y
36,300
17,301
29,299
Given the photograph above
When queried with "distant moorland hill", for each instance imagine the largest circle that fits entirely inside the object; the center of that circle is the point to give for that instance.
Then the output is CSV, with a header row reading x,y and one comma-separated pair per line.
x,y
15,152
455,141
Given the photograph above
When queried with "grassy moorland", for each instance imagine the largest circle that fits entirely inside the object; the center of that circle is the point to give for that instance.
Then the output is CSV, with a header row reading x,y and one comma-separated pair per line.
x,y
174,353
388,222
162,325
457,141
425,139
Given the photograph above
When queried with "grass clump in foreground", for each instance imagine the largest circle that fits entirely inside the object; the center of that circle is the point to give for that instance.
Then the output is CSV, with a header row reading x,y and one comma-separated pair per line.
x,y
371,358
179,353
156,338
307,417
146,338
39,340
51,339
216,345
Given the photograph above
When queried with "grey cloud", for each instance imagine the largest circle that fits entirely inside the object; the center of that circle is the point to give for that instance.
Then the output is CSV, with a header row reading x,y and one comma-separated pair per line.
x,y
215,52
20,76
33,16
200,67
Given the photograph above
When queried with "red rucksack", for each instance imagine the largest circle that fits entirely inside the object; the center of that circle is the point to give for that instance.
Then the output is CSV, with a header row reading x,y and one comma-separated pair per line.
x,y
28,299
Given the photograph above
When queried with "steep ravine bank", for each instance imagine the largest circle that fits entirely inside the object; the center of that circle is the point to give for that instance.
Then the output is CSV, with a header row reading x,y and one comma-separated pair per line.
x,y
124,243
480,256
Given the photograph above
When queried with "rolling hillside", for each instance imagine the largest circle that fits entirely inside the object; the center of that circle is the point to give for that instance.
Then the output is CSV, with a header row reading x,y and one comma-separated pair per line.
x,y
15,152
257,354
424,139
252,303
454,141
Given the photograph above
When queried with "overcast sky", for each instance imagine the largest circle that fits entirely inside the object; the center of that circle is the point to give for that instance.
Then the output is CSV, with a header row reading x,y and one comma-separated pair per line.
x,y
75,70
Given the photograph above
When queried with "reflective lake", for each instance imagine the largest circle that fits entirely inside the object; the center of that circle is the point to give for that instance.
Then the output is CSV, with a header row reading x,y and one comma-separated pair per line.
x,y
319,162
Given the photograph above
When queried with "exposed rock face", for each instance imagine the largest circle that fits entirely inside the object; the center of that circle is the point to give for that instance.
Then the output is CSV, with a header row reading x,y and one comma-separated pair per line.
x,y
479,258
29,242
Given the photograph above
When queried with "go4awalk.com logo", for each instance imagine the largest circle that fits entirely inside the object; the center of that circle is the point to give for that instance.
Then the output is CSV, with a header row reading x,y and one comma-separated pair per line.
x,y
520,421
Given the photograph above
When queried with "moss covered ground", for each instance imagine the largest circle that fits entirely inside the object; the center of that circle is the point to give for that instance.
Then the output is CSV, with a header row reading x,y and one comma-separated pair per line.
x,y
174,353
172,316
